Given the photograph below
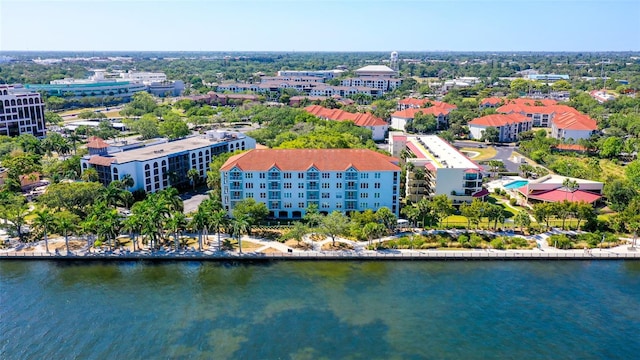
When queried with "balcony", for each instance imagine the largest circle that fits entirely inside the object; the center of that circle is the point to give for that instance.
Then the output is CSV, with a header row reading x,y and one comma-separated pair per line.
x,y
274,186
313,186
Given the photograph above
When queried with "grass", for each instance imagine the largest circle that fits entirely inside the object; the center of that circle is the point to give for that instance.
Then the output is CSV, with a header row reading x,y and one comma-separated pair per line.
x,y
611,169
483,153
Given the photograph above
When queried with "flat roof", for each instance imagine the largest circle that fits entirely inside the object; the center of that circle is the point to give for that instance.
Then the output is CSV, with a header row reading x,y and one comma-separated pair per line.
x,y
558,179
440,152
163,149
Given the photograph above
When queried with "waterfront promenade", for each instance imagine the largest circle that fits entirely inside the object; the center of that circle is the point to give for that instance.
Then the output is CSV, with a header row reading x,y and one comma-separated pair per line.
x,y
267,250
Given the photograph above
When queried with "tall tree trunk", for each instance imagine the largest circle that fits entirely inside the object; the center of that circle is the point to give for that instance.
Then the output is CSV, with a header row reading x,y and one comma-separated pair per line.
x,y
66,242
219,242
240,243
46,241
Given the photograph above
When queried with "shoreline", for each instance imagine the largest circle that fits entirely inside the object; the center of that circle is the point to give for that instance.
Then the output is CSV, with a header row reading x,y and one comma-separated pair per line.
x,y
370,255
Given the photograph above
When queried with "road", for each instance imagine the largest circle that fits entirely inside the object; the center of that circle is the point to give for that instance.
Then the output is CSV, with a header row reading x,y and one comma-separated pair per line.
x,y
192,200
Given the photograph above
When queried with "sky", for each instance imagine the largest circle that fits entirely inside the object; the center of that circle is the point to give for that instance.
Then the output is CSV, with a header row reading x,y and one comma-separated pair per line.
x,y
320,25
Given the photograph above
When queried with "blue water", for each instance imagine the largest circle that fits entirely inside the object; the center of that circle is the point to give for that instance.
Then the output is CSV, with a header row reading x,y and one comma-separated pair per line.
x,y
331,310
516,184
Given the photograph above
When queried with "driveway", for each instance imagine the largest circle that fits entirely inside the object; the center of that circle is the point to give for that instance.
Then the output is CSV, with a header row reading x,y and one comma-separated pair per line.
x,y
191,200
504,154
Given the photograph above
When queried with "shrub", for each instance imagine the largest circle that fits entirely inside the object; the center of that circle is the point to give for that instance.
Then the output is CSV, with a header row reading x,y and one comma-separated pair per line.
x,y
497,243
497,191
513,201
464,241
560,241
97,243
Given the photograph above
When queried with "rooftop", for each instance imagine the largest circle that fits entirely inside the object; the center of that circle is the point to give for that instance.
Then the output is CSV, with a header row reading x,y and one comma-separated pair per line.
x,y
439,151
163,149
497,120
304,159
360,119
376,68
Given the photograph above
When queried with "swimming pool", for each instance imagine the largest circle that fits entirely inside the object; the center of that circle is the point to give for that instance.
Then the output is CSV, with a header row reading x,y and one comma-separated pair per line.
x,y
516,184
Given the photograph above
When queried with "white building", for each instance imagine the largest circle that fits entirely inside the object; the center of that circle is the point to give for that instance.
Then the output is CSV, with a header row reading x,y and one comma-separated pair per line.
x,y
21,112
325,74
437,168
288,181
380,83
573,126
158,166
376,71
509,126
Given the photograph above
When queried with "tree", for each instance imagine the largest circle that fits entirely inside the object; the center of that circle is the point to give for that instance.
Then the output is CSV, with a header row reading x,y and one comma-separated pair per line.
x,y
490,134
52,118
173,128
619,193
570,186
44,221
298,231
76,197
133,224
146,126
442,207
633,173
611,147
561,85
67,223
387,218
193,175
333,225
372,231
240,224
473,212
90,175
312,216
17,213
542,212
583,211
522,220
175,224
217,220
142,103
255,211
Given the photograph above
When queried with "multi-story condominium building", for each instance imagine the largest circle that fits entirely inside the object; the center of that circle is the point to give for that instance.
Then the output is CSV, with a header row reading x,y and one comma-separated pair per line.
x,y
289,181
413,103
380,83
541,111
547,77
573,126
308,88
509,126
158,166
307,79
376,71
435,167
324,74
400,118
21,112
377,126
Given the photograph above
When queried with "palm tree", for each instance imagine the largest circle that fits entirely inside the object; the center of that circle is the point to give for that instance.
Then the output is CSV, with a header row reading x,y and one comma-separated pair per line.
x,y
173,199
133,224
44,220
570,185
218,219
194,176
127,181
240,225
176,223
199,223
74,139
17,214
67,223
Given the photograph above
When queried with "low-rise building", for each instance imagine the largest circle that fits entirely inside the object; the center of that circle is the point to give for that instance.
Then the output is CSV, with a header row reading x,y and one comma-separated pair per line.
x,y
573,126
158,166
400,118
541,111
289,181
324,74
377,126
435,167
21,112
492,102
551,188
509,126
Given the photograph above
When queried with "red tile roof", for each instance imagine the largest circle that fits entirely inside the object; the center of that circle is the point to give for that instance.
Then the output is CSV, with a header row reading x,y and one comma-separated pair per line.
x,y
360,119
422,102
100,160
491,101
559,195
410,113
303,159
570,147
96,143
572,121
497,120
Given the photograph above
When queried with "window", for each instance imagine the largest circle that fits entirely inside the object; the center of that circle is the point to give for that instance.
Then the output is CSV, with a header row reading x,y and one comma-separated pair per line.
x,y
248,175
376,185
363,205
300,175
326,175
263,195
376,205
287,175
326,185
300,195
287,195
287,185
300,186
364,185
263,175
364,195
377,175
325,205
248,185
376,195
263,186
326,195
288,205
338,175
300,204
364,176
249,195
339,206
339,186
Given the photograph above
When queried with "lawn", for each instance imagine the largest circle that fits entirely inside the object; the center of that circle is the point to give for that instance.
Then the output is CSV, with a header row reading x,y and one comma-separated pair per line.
x,y
483,153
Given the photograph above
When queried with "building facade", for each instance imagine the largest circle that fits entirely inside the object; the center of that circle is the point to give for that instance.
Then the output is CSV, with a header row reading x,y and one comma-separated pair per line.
x,y
289,181
21,112
377,126
158,166
435,168
509,126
